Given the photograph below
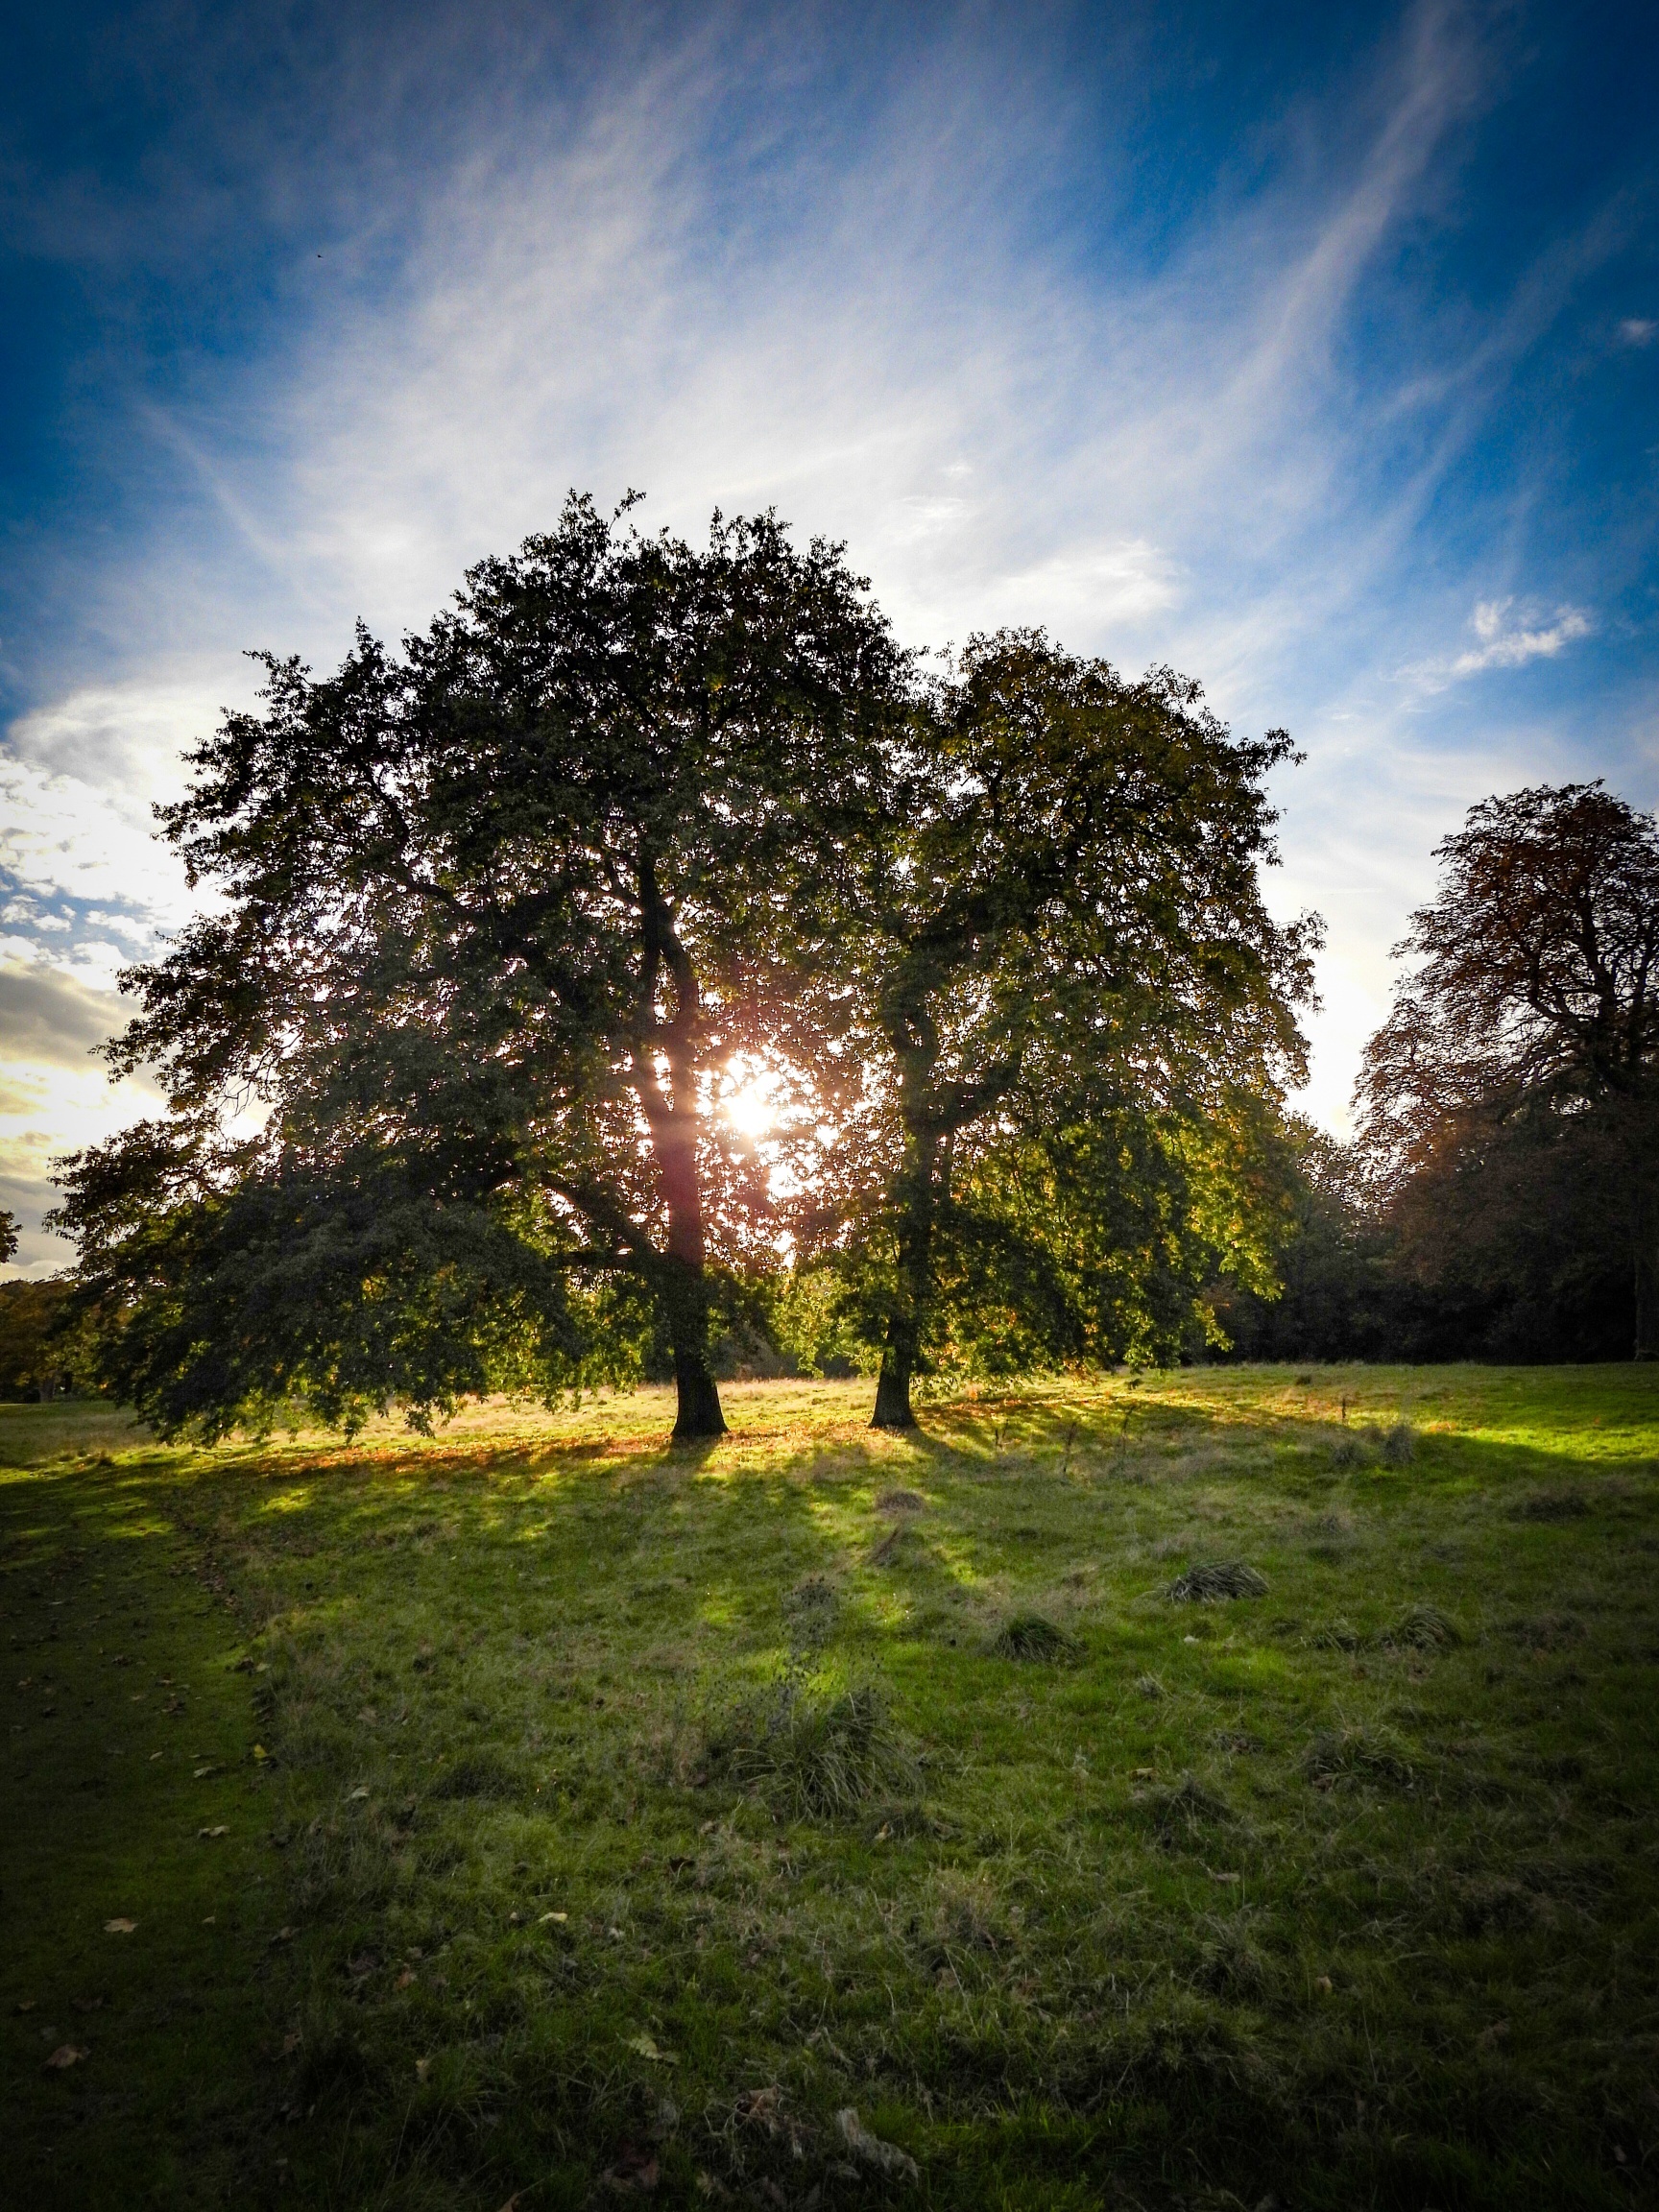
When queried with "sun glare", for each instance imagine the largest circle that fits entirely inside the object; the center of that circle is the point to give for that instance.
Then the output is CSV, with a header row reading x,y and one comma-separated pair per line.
x,y
750,1107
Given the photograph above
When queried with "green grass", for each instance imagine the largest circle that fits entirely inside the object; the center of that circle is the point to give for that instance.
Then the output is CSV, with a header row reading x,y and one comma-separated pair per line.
x,y
596,1811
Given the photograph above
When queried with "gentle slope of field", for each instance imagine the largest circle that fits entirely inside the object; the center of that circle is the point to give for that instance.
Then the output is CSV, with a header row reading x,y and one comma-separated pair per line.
x,y
534,1813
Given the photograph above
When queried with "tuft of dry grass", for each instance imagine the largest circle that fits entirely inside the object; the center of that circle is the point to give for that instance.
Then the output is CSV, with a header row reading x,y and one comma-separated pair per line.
x,y
1211,1582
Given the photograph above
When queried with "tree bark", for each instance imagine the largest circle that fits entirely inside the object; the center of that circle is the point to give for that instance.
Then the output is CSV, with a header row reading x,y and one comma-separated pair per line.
x,y
893,1384
673,1123
903,1349
697,1410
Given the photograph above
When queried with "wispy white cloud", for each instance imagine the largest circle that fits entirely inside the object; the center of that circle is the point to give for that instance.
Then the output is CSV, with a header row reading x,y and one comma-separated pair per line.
x,y
1167,457
1505,637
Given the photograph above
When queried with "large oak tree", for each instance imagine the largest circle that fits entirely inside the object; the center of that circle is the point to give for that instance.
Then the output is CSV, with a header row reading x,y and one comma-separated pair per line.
x,y
491,914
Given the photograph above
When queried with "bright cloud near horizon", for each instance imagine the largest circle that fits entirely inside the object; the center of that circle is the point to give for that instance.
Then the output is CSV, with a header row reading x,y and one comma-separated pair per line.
x,y
1310,350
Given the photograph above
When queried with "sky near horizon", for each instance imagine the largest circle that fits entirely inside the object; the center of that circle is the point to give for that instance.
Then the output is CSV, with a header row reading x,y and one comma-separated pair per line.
x,y
1313,349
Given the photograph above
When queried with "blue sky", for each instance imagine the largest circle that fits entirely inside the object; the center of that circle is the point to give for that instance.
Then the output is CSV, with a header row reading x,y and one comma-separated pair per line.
x,y
1312,350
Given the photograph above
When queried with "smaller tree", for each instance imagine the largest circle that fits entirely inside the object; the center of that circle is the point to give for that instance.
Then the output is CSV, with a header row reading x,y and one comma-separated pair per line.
x,y
1071,1005
1510,1102
8,1236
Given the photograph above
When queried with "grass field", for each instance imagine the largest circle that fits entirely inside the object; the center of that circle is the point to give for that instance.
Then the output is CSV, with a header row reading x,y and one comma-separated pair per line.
x,y
538,1816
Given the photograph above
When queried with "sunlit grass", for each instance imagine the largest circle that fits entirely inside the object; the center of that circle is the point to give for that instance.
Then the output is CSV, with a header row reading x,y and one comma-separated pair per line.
x,y
630,1808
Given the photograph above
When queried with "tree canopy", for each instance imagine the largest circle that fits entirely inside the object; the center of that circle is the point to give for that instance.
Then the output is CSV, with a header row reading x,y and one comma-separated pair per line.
x,y
1072,1010
1509,1105
496,915
493,913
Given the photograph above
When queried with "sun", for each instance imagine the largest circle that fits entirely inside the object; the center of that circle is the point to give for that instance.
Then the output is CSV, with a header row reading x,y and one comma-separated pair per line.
x,y
751,1108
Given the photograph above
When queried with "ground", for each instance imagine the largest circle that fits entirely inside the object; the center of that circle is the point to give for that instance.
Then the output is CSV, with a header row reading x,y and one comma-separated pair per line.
x,y
539,1814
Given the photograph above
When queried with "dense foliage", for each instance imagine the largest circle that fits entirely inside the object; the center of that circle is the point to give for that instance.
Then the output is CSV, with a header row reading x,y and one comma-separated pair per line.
x,y
500,916
1501,1198
494,914
1073,1014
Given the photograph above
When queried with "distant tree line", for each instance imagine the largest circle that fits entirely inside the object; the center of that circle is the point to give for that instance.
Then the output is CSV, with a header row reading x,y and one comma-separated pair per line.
x,y
1500,1197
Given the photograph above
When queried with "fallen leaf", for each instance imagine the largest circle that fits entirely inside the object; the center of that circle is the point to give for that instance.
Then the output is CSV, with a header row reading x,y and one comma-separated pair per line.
x,y
154,1756
1226,1877
210,1920
352,1795
260,1753
119,1927
283,1935
423,2067
648,2048
514,1919
201,1772
1146,1773
547,1916
65,2055
1322,1983
290,2042
221,1830
26,2004
405,1980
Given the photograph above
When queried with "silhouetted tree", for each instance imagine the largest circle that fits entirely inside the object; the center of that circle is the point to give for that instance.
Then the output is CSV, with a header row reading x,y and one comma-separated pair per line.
x,y
491,915
1072,1009
1510,1103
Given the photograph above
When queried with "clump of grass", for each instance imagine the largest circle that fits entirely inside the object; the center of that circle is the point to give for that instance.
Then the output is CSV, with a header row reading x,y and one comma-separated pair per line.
x,y
1348,1451
1149,1686
819,1756
1229,1961
810,1611
967,1911
1033,1636
1551,1505
900,1501
1399,1446
1188,1808
1208,1582
1356,1755
1423,1628
1338,1635
481,1773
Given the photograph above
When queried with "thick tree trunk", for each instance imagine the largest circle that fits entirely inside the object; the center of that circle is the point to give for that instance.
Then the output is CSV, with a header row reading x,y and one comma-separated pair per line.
x,y
697,1415
903,1349
893,1384
674,1131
